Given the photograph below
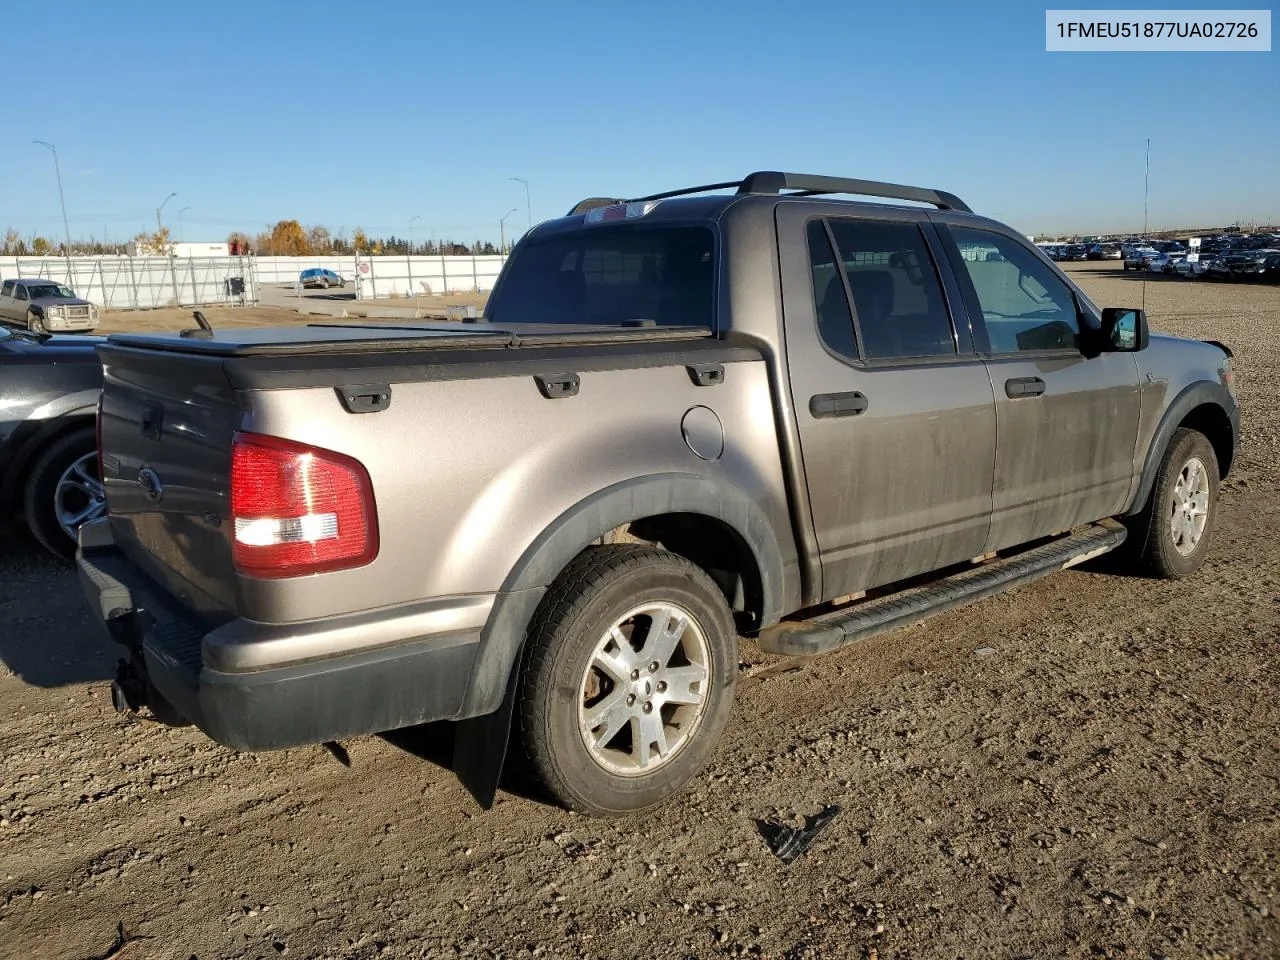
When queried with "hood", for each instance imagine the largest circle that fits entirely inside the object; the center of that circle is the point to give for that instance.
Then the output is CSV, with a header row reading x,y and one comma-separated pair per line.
x,y
61,301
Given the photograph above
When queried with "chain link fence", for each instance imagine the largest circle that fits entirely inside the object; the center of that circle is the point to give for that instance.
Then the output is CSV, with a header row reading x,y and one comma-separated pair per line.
x,y
139,282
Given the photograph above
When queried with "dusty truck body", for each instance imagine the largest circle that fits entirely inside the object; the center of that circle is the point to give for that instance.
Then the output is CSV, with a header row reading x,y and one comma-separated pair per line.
x,y
683,418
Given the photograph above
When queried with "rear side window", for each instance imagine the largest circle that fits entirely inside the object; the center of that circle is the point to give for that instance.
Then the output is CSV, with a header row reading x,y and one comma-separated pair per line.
x,y
1025,305
898,304
7,289
830,302
606,275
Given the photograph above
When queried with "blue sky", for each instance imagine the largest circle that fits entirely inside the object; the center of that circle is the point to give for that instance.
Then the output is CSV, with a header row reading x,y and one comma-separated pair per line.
x,y
369,114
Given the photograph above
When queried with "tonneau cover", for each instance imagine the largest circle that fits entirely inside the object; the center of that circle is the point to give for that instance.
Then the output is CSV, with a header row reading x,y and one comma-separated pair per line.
x,y
354,337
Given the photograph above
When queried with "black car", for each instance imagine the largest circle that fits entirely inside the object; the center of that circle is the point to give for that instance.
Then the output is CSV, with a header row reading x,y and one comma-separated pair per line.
x,y
49,476
1074,252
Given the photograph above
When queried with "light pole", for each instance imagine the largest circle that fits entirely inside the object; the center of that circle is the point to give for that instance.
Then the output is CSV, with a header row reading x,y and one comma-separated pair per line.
x,y
528,207
411,219
159,225
502,231
182,231
61,200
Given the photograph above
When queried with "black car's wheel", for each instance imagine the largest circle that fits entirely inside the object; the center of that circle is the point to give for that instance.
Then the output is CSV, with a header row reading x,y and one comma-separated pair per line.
x,y
627,679
63,491
35,323
1175,527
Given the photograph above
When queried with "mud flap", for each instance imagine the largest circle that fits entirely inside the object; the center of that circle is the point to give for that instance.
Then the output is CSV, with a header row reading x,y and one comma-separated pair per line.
x,y
480,745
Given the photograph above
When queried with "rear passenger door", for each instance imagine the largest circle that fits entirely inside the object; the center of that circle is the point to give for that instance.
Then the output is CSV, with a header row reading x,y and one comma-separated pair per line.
x,y
1066,424
895,411
6,299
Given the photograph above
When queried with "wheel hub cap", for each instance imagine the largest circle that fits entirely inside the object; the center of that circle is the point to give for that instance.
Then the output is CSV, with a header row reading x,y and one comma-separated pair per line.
x,y
78,496
1190,506
645,689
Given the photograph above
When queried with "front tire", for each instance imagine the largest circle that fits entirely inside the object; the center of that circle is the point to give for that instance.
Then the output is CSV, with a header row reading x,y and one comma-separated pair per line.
x,y
63,491
35,323
1177,522
627,679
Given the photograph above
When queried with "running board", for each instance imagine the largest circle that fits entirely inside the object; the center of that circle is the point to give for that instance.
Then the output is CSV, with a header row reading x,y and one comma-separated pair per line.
x,y
831,631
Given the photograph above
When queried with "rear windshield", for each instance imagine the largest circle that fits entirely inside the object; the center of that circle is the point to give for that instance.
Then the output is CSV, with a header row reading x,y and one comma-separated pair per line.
x,y
608,274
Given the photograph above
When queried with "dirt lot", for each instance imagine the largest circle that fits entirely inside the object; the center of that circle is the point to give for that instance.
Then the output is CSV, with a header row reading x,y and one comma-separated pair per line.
x,y
281,308
1106,783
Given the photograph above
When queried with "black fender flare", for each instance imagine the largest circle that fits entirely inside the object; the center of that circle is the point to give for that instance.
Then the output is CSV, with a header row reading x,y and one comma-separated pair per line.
x,y
480,742
585,522
1195,395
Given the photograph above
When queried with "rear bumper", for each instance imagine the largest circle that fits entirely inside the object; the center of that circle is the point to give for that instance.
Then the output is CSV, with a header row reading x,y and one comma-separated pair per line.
x,y
414,680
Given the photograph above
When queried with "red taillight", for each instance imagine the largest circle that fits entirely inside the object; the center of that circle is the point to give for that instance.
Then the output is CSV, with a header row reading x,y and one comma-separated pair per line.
x,y
298,509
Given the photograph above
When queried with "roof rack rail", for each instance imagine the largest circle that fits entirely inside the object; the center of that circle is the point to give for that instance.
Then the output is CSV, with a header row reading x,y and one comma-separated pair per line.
x,y
772,182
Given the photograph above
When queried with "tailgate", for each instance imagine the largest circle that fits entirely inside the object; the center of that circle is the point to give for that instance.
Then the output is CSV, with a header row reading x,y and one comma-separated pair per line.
x,y
167,424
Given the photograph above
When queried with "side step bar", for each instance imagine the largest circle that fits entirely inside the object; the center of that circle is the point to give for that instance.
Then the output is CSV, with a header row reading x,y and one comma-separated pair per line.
x,y
831,631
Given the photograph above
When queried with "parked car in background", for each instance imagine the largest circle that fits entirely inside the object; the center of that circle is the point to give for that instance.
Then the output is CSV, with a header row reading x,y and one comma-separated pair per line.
x,y
1074,252
322,278
1136,258
1246,265
1159,262
43,305
49,477
1104,251
1192,270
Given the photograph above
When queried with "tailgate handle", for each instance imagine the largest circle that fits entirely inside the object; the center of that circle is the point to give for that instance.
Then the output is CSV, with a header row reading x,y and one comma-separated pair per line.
x,y
553,386
706,374
365,397
823,406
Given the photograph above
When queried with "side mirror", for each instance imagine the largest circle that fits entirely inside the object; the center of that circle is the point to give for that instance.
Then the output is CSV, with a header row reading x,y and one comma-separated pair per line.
x,y
1124,330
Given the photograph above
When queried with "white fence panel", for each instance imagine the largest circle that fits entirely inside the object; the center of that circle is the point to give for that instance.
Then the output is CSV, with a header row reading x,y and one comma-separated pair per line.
x,y
133,282
425,276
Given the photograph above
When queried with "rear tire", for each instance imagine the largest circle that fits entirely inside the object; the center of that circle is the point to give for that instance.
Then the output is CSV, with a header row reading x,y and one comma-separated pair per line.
x,y
627,679
64,486
1175,528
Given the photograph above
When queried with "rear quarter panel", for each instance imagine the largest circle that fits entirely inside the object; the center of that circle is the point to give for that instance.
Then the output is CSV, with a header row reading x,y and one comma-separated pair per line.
x,y
468,473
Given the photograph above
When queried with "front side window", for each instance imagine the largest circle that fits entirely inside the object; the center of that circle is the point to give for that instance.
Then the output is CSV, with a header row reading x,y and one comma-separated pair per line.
x,y
897,298
1024,304
21,292
610,274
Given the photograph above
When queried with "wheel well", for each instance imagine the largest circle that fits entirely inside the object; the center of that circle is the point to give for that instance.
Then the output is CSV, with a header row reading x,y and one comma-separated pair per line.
x,y
20,468
1211,420
712,545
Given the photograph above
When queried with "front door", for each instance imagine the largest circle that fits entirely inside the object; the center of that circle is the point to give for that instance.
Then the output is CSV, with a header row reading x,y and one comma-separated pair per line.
x,y
1066,424
895,411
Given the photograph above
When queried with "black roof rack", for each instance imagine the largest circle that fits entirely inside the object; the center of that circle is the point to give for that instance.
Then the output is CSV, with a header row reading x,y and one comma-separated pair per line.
x,y
773,182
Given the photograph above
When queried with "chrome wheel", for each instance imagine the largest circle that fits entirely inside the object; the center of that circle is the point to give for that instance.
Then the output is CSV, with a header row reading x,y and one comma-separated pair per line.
x,y
1190,506
645,689
78,495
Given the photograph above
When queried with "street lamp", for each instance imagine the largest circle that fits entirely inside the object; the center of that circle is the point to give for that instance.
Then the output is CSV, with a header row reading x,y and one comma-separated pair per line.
x,y
528,207
61,200
159,225
502,230
182,231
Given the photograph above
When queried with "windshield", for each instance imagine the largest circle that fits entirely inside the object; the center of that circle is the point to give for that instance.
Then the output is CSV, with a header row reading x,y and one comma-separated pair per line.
x,y
606,275
36,290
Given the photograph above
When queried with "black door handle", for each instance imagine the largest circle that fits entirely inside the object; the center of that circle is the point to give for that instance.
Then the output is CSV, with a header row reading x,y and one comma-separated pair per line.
x,y
1023,387
823,406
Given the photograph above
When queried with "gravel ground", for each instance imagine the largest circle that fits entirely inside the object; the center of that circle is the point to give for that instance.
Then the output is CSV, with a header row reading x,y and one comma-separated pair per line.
x,y
1085,767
